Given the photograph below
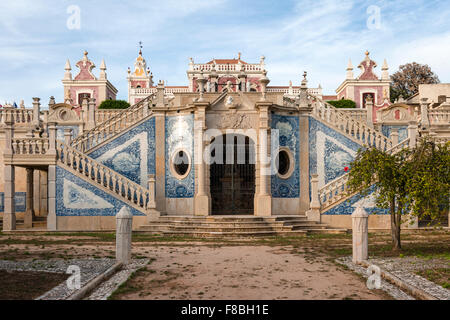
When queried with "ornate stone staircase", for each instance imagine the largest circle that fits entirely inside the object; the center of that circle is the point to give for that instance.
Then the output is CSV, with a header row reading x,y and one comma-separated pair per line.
x,y
103,177
113,126
336,190
352,128
211,226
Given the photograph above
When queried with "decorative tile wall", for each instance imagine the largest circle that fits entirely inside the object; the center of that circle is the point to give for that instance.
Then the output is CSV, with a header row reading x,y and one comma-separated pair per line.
x,y
77,197
179,135
60,131
288,127
347,207
402,131
329,152
131,154
19,201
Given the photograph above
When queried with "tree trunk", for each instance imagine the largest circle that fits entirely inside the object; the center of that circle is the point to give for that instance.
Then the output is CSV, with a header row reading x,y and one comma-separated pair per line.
x,y
395,226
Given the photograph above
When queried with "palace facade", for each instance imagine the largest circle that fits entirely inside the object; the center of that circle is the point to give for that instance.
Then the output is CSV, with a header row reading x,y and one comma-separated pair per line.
x,y
226,144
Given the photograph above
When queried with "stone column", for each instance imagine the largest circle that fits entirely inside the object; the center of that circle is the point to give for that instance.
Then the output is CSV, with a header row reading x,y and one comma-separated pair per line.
x,y
152,213
67,136
412,133
37,192
304,159
52,138
313,214
9,214
91,114
124,226
369,109
394,136
29,213
44,193
424,120
36,112
160,162
202,199
51,217
263,203
360,234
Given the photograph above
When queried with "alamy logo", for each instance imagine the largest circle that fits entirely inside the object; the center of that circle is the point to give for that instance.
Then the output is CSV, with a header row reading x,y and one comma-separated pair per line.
x,y
374,19
74,281
374,280
74,20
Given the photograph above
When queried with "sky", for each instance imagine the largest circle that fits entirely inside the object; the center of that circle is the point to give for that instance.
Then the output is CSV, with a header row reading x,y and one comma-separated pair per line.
x,y
317,36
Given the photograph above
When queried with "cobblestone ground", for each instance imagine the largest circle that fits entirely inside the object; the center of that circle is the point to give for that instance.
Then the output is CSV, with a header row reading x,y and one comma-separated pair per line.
x,y
89,269
404,269
110,285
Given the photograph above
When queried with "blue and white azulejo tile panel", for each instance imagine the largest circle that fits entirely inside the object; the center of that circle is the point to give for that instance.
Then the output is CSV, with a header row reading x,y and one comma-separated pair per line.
x,y
288,130
132,154
77,197
179,135
329,152
19,201
348,206
402,131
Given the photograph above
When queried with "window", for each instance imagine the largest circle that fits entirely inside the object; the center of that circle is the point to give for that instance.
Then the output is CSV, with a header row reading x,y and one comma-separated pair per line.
x,y
284,163
181,164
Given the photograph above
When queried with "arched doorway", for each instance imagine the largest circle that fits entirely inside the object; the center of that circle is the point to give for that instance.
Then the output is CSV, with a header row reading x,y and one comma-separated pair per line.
x,y
232,175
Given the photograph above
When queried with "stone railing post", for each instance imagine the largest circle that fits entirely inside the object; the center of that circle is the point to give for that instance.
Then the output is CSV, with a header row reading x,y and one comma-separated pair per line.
x,y
412,133
360,235
91,113
29,213
52,138
394,136
151,191
67,136
85,109
201,85
9,131
424,120
124,225
313,213
160,94
36,112
369,111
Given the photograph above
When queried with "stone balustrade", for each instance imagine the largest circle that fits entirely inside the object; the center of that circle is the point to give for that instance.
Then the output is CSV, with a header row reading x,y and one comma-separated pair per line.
x,y
126,189
30,146
104,115
355,113
227,67
16,115
358,130
439,117
337,189
112,126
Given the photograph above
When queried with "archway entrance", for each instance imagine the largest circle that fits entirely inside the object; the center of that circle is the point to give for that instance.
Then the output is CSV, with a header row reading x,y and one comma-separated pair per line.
x,y
232,175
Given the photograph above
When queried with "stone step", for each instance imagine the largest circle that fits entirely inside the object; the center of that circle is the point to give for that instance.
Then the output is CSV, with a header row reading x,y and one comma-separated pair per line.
x,y
217,223
212,218
212,229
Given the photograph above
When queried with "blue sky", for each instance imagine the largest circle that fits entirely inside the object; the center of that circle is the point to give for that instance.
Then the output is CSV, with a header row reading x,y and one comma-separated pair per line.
x,y
314,35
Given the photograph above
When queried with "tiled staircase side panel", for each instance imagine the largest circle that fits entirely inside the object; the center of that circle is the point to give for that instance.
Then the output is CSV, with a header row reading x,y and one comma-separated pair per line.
x,y
131,153
76,195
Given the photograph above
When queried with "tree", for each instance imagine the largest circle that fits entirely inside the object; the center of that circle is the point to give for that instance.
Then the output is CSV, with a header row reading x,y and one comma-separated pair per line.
x,y
343,103
405,82
114,104
413,181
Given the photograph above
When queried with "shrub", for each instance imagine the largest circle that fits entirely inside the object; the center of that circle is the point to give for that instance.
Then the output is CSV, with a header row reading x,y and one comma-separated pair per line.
x,y
114,104
344,103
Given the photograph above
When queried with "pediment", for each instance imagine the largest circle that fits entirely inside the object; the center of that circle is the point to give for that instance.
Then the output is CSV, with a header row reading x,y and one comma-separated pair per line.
x,y
61,113
395,112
